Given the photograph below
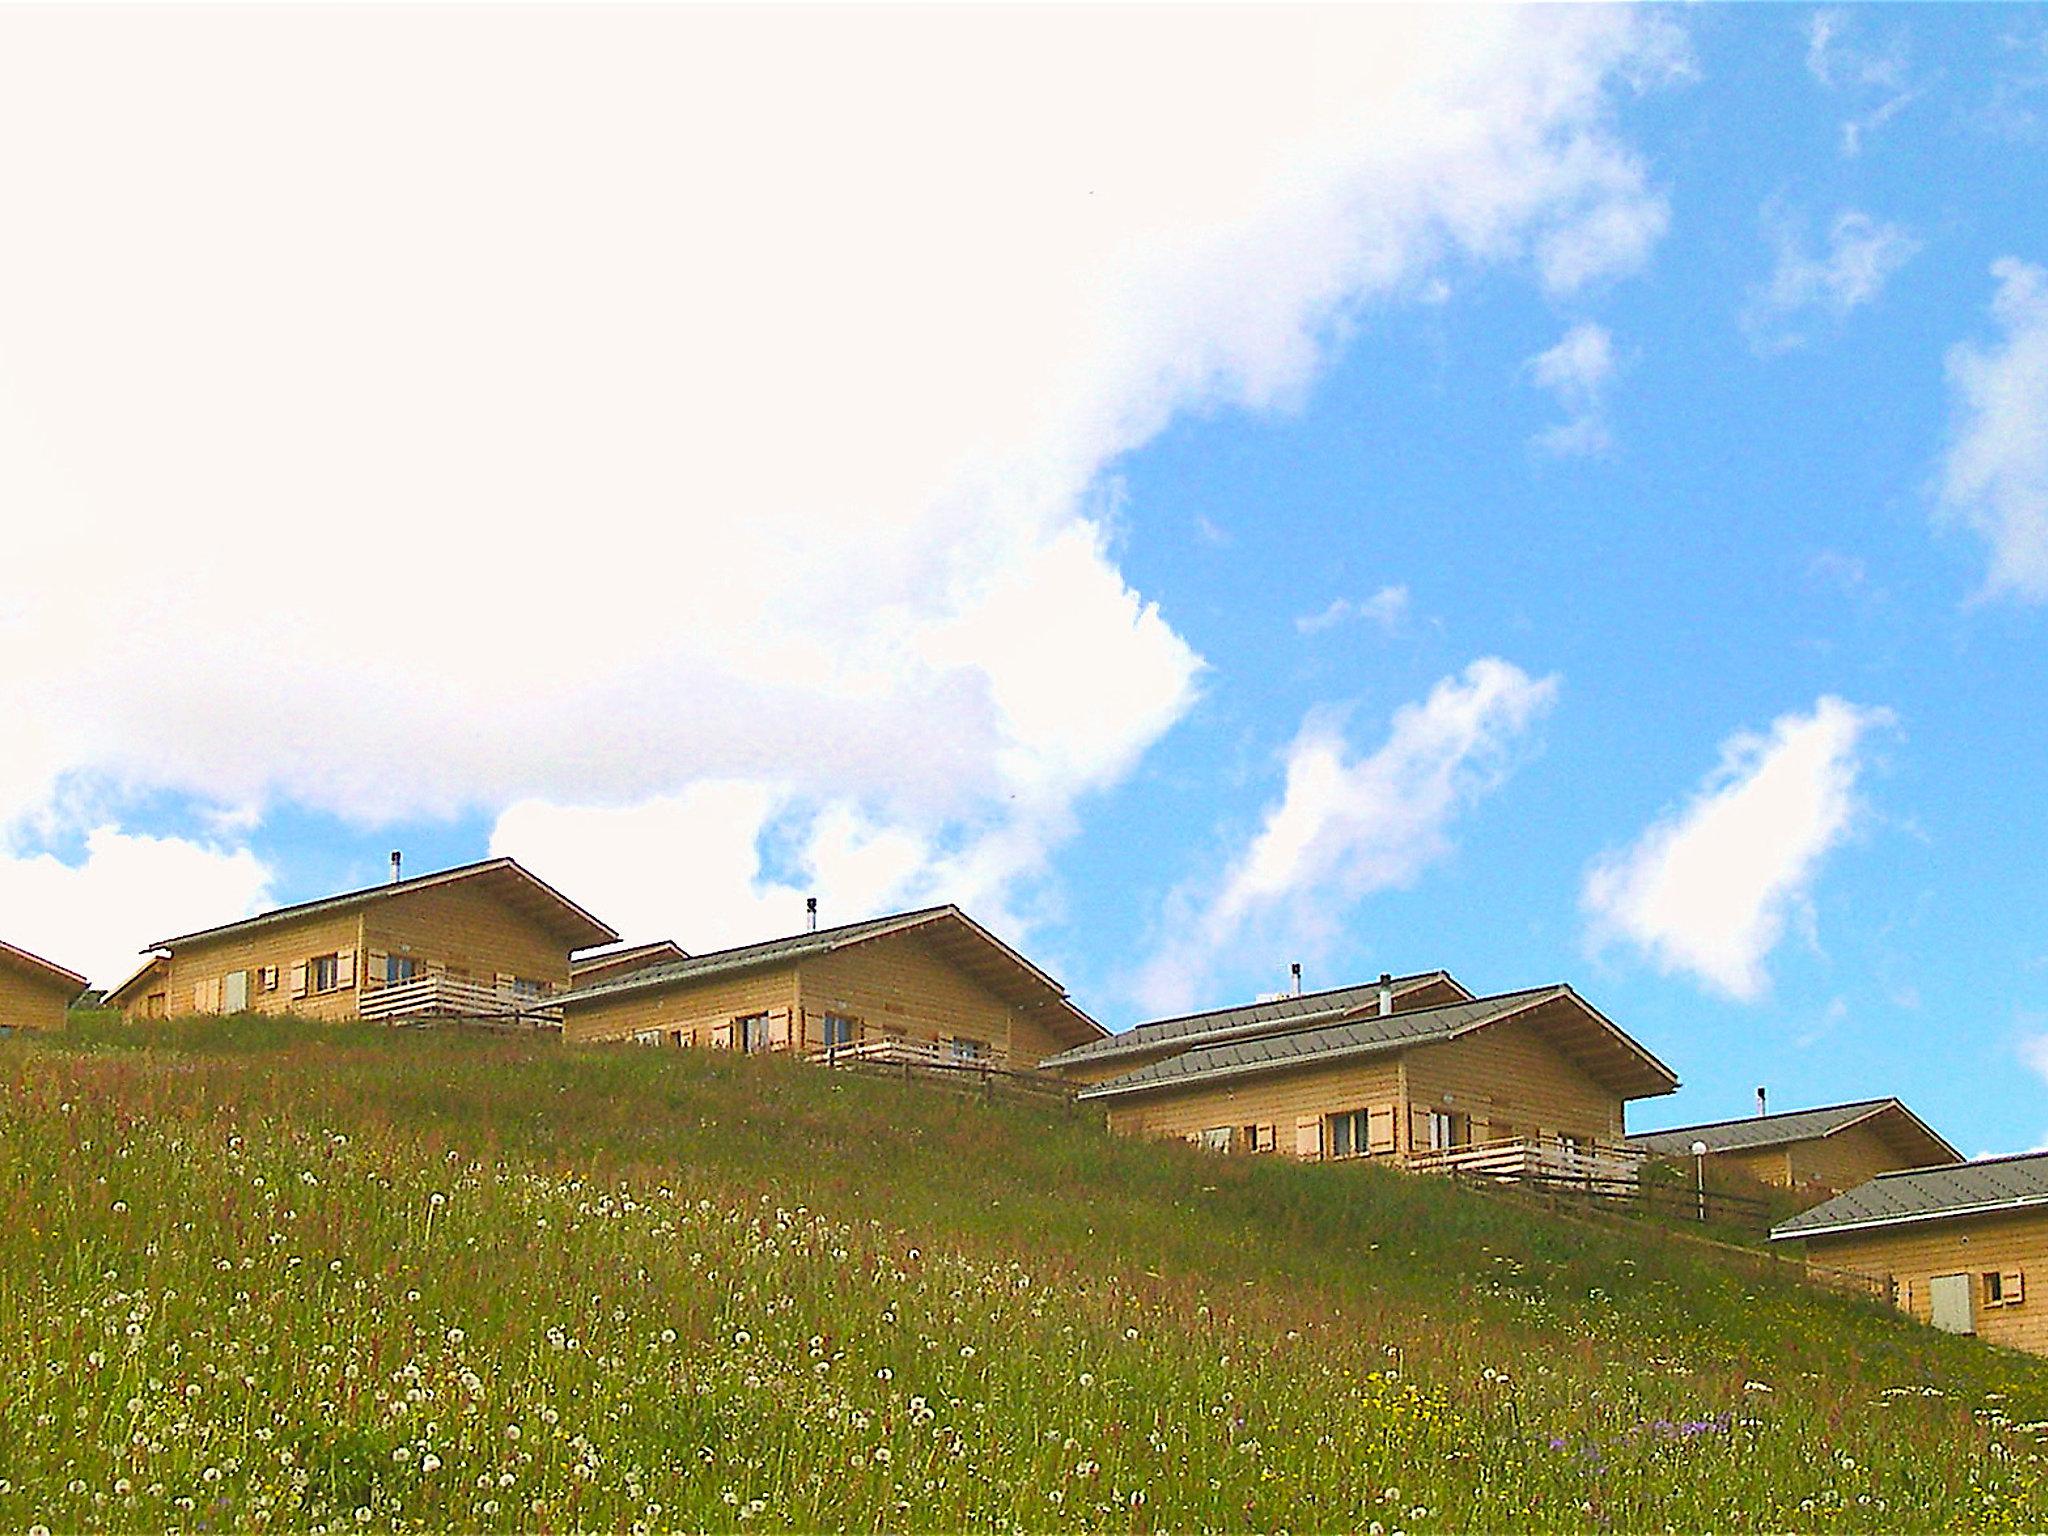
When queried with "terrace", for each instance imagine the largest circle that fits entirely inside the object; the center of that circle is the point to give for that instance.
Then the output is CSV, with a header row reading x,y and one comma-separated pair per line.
x,y
429,998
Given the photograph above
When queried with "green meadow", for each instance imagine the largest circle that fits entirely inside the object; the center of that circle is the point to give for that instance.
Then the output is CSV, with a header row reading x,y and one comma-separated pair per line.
x,y
259,1275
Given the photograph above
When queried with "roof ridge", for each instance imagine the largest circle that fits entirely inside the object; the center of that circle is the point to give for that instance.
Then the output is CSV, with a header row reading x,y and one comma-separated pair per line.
x,y
1285,997
1776,1114
1974,1162
1405,1013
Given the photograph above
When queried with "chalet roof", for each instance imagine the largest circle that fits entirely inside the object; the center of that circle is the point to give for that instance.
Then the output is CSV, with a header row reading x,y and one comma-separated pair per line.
x,y
1986,1187
508,879
626,957
39,969
1602,1048
1755,1132
1217,1025
957,937
141,973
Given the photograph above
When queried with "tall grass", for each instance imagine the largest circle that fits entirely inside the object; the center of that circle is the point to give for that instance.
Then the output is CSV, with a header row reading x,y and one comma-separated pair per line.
x,y
256,1274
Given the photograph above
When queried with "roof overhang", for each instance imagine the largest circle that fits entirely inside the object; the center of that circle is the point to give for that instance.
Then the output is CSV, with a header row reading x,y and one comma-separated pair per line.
x,y
507,880
47,972
150,967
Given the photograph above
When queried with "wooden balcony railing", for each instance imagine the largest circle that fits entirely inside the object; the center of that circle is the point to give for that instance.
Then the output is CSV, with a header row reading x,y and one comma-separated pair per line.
x,y
1531,1159
450,997
891,1050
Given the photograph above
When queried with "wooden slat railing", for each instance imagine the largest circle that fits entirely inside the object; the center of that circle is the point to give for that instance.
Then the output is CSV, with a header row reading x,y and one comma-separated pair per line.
x,y
1533,1158
451,997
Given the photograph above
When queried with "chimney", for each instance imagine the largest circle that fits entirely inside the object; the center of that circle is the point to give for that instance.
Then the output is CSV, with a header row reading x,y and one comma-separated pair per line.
x,y
1294,971
1386,993
810,914
397,858
1760,1102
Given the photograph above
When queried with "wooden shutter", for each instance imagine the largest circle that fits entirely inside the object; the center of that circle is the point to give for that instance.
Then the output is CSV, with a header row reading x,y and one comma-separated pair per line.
x,y
1418,1128
1379,1128
778,1030
299,979
505,980
199,997
2012,1288
377,967
345,968
1308,1136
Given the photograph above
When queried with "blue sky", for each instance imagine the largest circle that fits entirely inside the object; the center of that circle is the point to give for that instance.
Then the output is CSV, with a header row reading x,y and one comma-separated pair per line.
x,y
1546,496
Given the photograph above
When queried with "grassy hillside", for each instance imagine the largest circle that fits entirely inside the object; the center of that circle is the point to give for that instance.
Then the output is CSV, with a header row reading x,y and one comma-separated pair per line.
x,y
256,1275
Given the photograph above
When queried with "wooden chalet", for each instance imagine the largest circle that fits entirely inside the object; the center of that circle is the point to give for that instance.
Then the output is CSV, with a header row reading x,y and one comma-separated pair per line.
x,y
487,941
1097,1061
1814,1152
1523,1084
34,992
1957,1247
931,986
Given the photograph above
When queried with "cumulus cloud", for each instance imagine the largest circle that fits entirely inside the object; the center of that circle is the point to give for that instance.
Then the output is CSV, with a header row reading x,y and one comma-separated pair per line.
x,y
1347,825
1576,371
1995,475
1710,888
692,397
1386,608
1860,257
126,891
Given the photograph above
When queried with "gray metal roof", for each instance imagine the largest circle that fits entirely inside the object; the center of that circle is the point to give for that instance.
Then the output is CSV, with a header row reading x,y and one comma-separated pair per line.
x,y
1219,1024
1356,1037
1982,1188
1759,1131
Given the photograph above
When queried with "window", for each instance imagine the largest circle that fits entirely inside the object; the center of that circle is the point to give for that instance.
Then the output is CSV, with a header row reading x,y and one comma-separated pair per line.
x,y
153,1005
751,1032
647,1037
1447,1130
1350,1134
965,1049
266,979
838,1029
234,992
326,972
399,969
1216,1139
526,986
2003,1288
1260,1138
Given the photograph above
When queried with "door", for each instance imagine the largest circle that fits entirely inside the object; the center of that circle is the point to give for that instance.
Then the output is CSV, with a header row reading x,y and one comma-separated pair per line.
x,y
234,992
1949,1296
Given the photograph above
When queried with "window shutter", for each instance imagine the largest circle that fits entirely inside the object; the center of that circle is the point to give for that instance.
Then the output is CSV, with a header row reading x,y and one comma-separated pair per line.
x,y
199,997
299,979
778,1029
1308,1136
504,980
377,967
721,1036
2012,1287
1418,1128
345,968
1379,1128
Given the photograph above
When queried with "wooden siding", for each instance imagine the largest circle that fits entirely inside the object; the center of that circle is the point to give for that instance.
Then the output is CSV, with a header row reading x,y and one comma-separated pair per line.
x,y
32,1001
464,931
1767,1165
1287,1101
1910,1256
695,1008
897,985
1512,1082
1831,1164
195,974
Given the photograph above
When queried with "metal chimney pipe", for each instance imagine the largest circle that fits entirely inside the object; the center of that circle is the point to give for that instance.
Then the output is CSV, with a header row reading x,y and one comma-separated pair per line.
x,y
1294,971
1386,993
1761,1101
811,914
397,858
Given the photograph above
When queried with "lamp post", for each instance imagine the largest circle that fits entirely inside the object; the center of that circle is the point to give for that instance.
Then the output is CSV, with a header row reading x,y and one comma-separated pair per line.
x,y
1699,1175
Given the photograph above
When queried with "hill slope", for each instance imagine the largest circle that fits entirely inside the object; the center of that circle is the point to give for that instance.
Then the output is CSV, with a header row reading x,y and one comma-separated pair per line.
x,y
262,1275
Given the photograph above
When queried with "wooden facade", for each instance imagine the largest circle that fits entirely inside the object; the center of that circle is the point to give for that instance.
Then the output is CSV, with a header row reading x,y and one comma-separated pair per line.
x,y
933,977
1989,1263
1476,1073
1815,1153
492,928
34,992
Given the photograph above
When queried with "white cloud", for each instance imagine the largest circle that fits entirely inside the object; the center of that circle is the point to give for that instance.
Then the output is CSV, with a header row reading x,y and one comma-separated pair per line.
x,y
1576,371
94,916
472,409
1843,64
1861,257
1710,888
1387,608
2033,1051
1995,476
1346,826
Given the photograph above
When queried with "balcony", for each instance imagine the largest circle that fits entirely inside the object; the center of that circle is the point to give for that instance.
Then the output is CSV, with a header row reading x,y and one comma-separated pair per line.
x,y
431,998
895,1051
1588,1165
